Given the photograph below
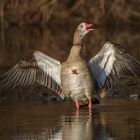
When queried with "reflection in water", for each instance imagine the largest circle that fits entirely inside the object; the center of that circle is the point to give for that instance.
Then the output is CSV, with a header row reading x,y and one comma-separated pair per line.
x,y
78,126
32,122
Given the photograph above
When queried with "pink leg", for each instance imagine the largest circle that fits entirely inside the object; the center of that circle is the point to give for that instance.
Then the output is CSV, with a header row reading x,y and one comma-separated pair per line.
x,y
90,104
77,105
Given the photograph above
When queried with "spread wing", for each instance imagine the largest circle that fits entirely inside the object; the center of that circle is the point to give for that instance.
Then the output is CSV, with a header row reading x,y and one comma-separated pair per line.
x,y
111,63
42,70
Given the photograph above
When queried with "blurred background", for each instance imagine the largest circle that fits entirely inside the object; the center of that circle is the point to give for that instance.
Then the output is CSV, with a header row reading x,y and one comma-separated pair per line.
x,y
48,26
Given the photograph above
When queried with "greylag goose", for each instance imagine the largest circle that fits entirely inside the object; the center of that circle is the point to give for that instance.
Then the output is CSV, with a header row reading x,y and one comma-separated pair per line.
x,y
75,78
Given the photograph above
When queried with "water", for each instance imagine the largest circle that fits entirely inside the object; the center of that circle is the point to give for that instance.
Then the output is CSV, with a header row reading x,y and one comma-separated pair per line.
x,y
60,121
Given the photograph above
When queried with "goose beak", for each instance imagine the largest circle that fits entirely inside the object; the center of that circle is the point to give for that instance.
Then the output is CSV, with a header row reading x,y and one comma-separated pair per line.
x,y
89,27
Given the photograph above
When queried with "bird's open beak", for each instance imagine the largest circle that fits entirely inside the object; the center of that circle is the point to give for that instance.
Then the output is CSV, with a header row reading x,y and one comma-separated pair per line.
x,y
89,27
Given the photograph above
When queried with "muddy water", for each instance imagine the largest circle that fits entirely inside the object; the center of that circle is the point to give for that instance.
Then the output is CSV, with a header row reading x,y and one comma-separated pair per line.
x,y
111,120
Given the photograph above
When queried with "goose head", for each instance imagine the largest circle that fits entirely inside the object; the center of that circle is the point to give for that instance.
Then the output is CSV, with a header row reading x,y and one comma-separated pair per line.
x,y
81,30
84,28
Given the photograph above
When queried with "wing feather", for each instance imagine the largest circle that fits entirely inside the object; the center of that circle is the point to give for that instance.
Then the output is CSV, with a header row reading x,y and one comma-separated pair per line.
x,y
13,69
21,75
9,79
42,70
23,81
111,63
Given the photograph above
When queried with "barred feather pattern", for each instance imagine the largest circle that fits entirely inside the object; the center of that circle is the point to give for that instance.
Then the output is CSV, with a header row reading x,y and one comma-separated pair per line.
x,y
111,63
26,73
125,65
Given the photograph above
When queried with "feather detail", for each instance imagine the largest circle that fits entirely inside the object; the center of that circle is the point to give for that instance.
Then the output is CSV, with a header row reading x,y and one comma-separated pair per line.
x,y
111,63
42,70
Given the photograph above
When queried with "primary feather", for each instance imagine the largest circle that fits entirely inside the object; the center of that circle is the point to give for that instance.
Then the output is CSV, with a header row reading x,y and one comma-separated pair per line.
x,y
111,63
41,70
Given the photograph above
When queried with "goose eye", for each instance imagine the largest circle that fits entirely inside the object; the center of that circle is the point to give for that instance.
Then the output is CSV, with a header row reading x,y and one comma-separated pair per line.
x,y
81,26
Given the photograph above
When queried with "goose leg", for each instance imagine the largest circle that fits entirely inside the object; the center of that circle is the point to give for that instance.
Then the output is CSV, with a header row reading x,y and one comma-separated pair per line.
x,y
90,104
77,105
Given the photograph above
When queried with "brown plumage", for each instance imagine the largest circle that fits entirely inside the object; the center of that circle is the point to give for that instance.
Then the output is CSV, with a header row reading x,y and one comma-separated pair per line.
x,y
76,80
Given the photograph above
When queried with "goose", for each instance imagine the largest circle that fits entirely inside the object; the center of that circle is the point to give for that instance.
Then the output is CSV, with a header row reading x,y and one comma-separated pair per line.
x,y
75,78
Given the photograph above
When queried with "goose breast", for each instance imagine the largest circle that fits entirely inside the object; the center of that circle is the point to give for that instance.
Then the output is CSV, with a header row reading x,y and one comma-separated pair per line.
x,y
76,80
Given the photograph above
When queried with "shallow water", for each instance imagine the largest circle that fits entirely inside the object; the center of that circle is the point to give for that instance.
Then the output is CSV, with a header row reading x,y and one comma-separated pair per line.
x,y
60,121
